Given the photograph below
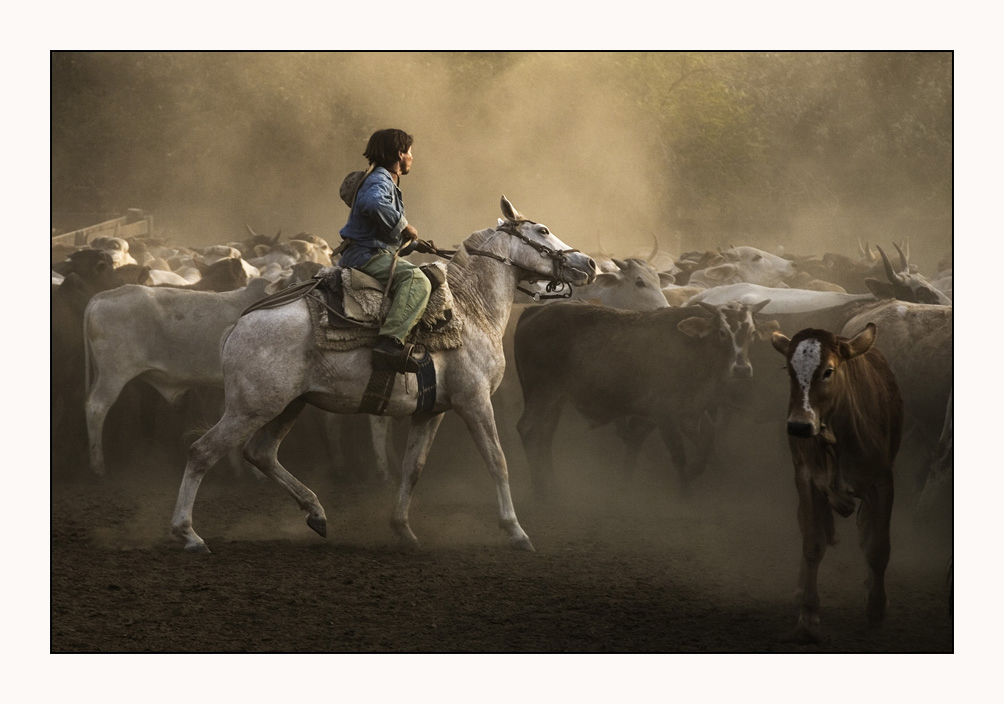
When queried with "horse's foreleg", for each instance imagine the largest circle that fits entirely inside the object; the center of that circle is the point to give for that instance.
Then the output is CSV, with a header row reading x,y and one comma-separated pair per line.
x,y
420,436
203,454
480,421
262,450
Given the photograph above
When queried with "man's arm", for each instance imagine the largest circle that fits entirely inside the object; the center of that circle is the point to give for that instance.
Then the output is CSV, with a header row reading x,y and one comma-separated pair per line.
x,y
377,203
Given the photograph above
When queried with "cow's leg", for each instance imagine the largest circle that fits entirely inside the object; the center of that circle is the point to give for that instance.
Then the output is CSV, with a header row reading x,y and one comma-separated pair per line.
x,y
420,436
477,414
104,391
815,522
874,517
670,431
713,424
262,451
232,430
536,428
633,432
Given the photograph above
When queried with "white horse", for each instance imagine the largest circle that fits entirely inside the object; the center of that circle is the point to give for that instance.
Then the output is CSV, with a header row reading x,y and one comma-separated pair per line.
x,y
272,368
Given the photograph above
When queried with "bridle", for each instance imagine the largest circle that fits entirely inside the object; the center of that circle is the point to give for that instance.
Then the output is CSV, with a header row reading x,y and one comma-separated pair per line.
x,y
557,257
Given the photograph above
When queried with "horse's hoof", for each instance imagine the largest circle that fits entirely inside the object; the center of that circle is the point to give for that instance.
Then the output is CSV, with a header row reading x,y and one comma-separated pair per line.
x,y
318,525
408,544
522,544
198,549
801,635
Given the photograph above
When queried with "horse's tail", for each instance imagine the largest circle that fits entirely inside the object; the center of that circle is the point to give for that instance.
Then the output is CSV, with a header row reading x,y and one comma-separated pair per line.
x,y
226,336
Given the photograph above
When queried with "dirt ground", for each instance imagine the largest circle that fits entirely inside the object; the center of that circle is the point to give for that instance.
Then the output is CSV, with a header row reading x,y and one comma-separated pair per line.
x,y
629,568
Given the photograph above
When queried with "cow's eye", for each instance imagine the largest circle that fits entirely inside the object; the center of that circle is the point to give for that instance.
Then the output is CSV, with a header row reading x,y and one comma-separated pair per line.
x,y
640,283
828,373
757,257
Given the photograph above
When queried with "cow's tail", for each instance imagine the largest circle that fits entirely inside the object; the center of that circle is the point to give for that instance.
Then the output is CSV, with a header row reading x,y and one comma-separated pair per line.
x,y
87,350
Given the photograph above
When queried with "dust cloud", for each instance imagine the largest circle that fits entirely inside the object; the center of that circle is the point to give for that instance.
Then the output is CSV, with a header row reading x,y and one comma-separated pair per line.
x,y
608,149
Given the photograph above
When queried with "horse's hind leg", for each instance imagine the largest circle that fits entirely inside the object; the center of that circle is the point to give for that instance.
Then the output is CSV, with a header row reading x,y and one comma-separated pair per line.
x,y
262,450
229,432
420,436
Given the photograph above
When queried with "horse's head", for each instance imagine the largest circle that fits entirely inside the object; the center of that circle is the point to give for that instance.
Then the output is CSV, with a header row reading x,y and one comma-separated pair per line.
x,y
539,254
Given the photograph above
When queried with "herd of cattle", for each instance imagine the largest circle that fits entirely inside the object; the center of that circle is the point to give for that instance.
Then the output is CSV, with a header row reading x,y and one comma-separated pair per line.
x,y
656,342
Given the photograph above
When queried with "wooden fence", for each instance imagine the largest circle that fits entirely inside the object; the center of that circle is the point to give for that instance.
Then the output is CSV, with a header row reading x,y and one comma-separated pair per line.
x,y
134,223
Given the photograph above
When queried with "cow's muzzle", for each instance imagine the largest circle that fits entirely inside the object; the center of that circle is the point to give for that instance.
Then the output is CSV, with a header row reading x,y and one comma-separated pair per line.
x,y
800,429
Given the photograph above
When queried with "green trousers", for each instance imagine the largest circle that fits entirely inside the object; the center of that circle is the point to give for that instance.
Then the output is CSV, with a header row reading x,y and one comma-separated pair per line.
x,y
409,293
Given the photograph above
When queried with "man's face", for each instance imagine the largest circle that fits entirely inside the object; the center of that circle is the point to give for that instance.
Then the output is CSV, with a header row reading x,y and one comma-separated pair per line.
x,y
406,159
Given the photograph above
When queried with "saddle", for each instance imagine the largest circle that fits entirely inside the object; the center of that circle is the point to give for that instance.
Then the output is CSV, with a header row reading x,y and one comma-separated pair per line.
x,y
347,306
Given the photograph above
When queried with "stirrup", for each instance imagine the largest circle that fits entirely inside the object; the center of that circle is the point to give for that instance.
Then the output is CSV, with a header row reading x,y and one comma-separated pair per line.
x,y
399,361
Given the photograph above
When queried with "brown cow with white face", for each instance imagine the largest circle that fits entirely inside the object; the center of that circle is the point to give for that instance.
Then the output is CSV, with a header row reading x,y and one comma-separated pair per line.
x,y
845,418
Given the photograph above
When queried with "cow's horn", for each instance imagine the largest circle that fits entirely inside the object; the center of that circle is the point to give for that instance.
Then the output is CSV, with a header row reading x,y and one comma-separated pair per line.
x,y
903,263
655,249
253,233
893,278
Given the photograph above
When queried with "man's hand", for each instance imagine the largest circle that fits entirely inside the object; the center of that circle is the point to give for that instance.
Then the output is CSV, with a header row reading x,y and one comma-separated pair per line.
x,y
409,232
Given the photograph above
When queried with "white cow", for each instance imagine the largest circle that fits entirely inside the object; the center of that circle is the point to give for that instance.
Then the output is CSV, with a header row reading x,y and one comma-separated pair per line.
x,y
168,337
783,301
117,248
745,264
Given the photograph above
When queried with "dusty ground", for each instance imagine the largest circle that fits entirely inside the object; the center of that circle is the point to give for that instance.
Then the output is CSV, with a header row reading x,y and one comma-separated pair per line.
x,y
635,570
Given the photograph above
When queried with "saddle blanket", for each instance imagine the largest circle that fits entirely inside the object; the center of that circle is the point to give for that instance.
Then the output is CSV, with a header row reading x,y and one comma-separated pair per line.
x,y
364,304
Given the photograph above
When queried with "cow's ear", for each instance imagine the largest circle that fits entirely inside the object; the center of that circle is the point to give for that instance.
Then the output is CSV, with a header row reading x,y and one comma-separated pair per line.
x,y
607,279
780,342
665,278
765,330
860,343
721,272
880,289
144,277
695,327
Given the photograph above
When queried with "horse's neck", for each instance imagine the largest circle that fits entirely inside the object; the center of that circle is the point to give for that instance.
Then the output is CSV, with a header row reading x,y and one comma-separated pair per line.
x,y
483,290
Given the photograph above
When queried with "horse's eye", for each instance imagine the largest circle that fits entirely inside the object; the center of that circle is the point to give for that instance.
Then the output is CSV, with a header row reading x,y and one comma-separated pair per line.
x,y
544,231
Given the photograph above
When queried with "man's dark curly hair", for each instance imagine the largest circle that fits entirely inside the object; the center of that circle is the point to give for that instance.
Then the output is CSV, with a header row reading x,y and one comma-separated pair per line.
x,y
385,146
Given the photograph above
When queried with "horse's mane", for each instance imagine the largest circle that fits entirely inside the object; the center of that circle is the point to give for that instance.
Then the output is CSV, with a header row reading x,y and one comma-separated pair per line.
x,y
476,240
466,289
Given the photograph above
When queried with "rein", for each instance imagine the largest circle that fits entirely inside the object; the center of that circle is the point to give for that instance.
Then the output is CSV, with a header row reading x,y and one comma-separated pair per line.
x,y
555,255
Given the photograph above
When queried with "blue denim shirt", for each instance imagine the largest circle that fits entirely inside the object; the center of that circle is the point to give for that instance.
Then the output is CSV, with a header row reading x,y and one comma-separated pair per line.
x,y
376,220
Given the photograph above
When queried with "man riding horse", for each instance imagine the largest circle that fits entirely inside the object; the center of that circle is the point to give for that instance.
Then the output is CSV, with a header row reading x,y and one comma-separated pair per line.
x,y
376,234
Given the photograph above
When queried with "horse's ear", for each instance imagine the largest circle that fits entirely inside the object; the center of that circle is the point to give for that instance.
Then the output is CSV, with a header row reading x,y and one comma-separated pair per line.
x,y
509,211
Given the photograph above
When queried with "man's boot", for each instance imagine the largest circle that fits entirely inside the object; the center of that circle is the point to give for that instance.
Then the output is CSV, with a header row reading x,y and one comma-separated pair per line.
x,y
389,355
